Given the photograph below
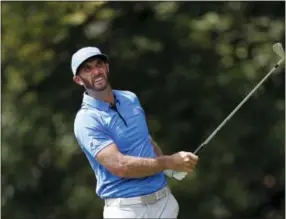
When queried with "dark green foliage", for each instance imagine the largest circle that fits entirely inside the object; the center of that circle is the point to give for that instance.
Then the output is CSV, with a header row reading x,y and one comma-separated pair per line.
x,y
190,63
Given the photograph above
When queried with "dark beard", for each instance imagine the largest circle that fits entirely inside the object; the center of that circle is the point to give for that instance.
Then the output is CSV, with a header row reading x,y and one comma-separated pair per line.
x,y
89,86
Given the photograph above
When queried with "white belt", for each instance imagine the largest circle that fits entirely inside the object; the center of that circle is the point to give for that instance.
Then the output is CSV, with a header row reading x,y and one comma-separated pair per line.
x,y
145,199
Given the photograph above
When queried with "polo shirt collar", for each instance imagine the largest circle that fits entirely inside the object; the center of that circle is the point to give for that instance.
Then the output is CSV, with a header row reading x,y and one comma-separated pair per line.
x,y
99,104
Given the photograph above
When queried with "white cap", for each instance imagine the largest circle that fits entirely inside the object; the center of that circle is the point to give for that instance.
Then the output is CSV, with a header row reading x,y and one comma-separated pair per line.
x,y
83,54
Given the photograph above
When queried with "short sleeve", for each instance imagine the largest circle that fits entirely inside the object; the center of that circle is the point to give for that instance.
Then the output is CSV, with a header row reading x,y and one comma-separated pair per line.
x,y
91,135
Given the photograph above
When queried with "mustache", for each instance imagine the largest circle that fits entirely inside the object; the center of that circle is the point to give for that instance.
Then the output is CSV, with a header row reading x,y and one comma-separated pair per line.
x,y
103,75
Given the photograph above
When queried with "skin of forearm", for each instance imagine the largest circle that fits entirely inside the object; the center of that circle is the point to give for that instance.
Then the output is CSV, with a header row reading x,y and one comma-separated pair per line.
x,y
134,167
137,167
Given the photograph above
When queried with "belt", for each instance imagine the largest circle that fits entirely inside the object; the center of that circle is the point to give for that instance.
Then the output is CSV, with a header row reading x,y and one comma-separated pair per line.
x,y
145,199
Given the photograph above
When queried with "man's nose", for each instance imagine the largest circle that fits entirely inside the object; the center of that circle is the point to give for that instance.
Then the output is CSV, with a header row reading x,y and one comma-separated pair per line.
x,y
95,71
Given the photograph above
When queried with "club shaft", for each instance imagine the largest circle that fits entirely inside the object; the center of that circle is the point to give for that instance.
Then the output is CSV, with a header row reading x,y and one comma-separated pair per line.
x,y
238,107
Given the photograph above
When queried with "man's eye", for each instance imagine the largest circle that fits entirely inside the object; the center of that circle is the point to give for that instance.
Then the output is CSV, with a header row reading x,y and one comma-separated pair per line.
x,y
86,69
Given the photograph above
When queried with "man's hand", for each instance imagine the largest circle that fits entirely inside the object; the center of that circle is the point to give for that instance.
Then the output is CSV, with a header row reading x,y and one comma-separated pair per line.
x,y
179,175
183,161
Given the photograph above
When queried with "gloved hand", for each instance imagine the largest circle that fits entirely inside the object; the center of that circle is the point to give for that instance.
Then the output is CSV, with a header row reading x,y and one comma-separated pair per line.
x,y
175,174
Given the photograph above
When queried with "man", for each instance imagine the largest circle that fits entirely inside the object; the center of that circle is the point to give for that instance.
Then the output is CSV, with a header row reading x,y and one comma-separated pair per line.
x,y
112,131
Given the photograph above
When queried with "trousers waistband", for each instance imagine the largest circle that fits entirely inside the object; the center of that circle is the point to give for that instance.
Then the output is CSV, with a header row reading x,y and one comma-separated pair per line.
x,y
145,199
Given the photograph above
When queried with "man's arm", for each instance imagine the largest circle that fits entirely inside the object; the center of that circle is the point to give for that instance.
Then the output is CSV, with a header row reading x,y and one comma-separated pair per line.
x,y
170,173
132,167
157,149
98,143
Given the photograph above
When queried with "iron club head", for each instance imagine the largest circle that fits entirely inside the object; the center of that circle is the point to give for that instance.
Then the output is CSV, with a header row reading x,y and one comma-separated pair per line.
x,y
278,49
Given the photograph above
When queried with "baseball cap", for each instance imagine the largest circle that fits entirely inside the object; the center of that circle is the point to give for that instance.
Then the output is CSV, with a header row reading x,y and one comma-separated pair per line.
x,y
83,54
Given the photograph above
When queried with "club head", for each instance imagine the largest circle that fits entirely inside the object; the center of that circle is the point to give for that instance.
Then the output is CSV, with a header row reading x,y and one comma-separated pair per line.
x,y
278,49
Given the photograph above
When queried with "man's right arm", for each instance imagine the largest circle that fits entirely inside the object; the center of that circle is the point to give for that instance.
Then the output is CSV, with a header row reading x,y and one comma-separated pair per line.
x,y
129,166
136,167
96,141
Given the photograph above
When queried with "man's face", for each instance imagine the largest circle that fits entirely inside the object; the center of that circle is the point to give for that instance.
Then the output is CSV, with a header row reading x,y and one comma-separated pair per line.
x,y
93,74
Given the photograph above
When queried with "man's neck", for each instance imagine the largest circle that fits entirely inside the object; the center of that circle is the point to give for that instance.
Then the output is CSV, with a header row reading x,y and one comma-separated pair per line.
x,y
106,95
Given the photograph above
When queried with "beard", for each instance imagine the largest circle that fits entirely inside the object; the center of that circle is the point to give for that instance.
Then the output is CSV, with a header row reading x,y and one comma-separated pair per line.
x,y
97,86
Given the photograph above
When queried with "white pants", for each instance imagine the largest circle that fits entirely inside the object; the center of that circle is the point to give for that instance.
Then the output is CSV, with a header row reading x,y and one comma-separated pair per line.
x,y
166,207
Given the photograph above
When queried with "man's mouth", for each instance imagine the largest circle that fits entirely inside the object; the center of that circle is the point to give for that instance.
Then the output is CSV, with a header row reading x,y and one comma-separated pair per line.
x,y
98,79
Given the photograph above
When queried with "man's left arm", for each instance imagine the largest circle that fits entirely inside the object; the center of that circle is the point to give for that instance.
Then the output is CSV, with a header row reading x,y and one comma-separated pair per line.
x,y
157,149
169,173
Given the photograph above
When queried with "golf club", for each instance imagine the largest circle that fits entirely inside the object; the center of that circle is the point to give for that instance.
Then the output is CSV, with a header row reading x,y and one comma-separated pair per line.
x,y
278,49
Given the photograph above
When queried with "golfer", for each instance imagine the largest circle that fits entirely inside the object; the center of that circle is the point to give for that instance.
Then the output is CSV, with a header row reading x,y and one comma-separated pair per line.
x,y
112,132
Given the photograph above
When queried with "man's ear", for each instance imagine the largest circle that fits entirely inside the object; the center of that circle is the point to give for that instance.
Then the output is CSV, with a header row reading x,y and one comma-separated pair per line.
x,y
107,67
77,80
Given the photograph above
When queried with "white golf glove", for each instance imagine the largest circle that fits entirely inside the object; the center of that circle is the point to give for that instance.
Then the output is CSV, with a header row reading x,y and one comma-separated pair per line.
x,y
175,174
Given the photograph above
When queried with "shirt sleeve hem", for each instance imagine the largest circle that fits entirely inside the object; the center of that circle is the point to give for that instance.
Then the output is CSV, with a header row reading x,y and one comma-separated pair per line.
x,y
102,147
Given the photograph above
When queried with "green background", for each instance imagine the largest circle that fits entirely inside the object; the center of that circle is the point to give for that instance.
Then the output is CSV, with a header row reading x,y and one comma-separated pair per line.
x,y
190,63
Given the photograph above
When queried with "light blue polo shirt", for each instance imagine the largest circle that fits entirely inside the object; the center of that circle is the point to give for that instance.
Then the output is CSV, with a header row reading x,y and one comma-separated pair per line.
x,y
97,125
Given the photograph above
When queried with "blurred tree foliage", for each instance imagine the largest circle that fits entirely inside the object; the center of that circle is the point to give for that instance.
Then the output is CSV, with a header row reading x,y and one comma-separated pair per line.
x,y
190,63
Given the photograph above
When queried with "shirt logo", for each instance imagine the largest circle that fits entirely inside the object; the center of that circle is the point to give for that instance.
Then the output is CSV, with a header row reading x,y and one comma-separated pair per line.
x,y
93,144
